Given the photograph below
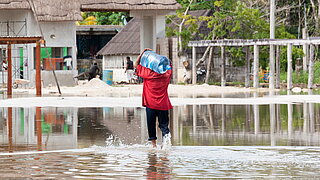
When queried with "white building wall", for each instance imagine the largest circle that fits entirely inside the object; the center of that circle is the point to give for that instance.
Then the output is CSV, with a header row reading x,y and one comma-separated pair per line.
x,y
117,64
64,33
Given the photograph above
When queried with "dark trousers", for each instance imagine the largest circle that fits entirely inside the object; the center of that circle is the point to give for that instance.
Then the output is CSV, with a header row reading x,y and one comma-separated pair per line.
x,y
163,119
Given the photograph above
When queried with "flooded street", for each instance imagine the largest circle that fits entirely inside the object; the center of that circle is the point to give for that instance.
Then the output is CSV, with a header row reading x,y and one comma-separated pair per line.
x,y
247,141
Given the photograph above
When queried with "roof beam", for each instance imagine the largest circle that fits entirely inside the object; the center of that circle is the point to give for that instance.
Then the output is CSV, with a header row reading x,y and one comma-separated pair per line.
x,y
252,42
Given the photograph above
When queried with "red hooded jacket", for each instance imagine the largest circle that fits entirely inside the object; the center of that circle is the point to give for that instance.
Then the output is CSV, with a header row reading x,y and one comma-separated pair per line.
x,y
155,88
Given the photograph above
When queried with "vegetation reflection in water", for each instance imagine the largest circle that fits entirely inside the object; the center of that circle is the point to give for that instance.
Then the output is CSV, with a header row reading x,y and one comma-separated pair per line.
x,y
51,128
212,141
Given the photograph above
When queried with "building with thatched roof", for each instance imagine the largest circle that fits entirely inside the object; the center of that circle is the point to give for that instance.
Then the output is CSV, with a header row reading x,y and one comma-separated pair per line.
x,y
54,20
127,43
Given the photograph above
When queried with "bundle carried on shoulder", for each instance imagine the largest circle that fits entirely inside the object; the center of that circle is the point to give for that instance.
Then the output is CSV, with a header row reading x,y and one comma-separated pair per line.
x,y
157,63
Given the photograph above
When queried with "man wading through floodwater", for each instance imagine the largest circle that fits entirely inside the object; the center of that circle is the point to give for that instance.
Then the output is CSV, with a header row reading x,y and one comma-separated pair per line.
x,y
156,76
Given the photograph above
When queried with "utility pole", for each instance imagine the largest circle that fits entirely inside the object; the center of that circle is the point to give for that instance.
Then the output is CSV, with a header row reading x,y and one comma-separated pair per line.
x,y
272,47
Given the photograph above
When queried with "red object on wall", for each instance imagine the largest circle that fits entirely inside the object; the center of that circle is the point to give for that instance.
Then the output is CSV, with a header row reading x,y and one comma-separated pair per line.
x,y
57,63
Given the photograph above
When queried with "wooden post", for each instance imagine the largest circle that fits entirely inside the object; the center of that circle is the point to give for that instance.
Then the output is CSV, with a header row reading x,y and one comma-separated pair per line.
x,y
305,50
311,63
256,66
223,64
278,67
194,68
289,71
247,69
9,81
9,125
38,70
39,128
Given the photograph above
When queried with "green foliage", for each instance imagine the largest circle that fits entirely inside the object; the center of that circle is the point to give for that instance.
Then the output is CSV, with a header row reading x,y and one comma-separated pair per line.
x,y
303,76
235,19
107,18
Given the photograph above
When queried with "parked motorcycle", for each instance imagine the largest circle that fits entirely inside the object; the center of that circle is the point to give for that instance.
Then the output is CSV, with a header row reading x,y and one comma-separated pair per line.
x,y
201,75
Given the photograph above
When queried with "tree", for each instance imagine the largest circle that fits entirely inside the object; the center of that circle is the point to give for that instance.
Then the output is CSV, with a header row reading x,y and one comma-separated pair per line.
x,y
106,18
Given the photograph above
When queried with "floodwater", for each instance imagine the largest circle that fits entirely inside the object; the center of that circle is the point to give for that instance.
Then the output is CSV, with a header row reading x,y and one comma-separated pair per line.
x,y
209,141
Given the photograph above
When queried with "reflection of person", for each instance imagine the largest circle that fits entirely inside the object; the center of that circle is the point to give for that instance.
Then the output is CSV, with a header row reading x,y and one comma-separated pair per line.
x,y
130,114
93,71
129,70
156,100
158,167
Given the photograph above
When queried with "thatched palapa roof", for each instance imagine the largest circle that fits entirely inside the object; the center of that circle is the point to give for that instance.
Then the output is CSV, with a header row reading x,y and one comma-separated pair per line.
x,y
127,5
127,41
70,10
53,10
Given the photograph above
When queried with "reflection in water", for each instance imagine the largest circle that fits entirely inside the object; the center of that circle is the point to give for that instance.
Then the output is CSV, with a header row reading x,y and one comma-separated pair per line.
x,y
158,167
222,139
50,128
23,129
181,162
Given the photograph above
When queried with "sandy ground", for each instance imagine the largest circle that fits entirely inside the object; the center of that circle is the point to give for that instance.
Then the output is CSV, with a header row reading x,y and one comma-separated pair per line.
x,y
98,88
137,101
98,94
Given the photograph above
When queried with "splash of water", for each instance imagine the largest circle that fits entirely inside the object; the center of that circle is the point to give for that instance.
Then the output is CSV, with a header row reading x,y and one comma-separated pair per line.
x,y
166,142
113,141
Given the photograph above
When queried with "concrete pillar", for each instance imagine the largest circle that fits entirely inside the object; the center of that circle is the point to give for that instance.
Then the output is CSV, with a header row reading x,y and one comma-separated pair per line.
x,y
311,70
272,124
247,69
151,28
256,67
194,119
305,50
147,33
256,116
290,120
222,67
194,68
278,52
272,67
272,47
289,65
159,26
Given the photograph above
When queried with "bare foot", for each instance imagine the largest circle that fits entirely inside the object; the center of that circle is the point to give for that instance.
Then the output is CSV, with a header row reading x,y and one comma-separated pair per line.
x,y
154,143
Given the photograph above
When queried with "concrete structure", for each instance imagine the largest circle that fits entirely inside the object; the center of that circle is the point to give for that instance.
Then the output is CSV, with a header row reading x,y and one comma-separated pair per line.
x,y
256,43
127,43
55,22
57,35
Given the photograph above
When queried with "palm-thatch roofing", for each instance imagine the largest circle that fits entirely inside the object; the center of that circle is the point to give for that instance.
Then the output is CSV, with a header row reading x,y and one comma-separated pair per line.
x,y
122,5
53,10
70,10
127,41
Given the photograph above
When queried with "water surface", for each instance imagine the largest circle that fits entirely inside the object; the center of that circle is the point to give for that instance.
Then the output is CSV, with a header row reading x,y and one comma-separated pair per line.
x,y
210,141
